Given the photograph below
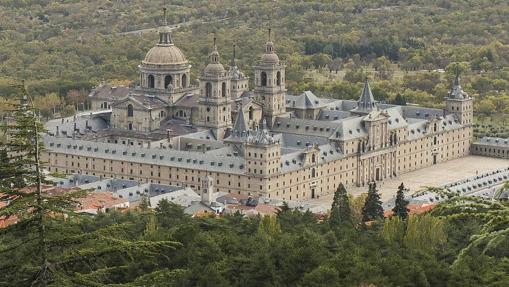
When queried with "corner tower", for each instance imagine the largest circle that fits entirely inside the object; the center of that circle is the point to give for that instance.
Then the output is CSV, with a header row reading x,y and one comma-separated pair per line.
x,y
262,153
269,82
460,103
215,100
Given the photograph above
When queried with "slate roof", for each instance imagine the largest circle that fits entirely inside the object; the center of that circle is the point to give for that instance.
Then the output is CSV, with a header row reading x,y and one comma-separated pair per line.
x,y
146,101
492,141
189,100
165,157
306,100
108,92
366,102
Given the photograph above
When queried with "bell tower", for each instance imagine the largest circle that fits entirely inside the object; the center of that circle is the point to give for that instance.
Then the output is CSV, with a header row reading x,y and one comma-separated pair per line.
x,y
269,82
215,101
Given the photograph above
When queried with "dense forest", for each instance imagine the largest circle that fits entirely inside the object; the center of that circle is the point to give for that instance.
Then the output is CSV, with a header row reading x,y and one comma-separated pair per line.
x,y
62,47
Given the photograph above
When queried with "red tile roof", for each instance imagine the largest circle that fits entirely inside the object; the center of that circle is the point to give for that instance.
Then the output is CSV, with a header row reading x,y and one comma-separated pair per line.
x,y
98,200
414,209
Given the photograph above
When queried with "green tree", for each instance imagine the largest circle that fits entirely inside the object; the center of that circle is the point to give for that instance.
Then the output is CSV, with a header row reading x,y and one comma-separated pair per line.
x,y
400,207
372,209
340,210
169,213
22,187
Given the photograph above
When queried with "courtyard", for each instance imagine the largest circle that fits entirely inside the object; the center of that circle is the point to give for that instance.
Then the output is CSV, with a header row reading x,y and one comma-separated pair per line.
x,y
437,175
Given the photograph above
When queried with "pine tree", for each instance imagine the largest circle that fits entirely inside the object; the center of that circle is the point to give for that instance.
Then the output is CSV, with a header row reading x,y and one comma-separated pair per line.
x,y
21,184
372,209
340,210
400,208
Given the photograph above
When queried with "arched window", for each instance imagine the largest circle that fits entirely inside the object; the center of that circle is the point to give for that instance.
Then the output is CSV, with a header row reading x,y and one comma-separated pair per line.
x,y
130,126
435,140
208,89
251,111
313,160
313,172
184,80
130,110
151,81
223,89
167,81
162,114
263,79
278,78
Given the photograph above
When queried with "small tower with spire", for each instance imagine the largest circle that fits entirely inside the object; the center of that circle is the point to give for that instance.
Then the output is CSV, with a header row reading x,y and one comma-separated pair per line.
x,y
366,103
459,103
215,100
269,81
239,82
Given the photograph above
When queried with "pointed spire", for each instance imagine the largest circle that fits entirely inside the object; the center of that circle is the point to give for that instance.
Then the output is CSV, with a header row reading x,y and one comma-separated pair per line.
x,y
367,102
165,20
234,58
241,128
457,77
269,46
214,56
457,91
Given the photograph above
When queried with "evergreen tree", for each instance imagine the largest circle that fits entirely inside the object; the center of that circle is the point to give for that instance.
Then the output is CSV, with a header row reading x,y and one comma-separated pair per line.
x,y
340,210
400,207
400,100
372,209
144,203
21,186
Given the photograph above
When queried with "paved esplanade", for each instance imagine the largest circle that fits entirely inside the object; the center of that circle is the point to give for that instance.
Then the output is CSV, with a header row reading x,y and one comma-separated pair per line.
x,y
436,175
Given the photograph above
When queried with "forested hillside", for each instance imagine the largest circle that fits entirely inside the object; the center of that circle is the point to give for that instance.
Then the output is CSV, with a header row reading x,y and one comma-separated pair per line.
x,y
329,46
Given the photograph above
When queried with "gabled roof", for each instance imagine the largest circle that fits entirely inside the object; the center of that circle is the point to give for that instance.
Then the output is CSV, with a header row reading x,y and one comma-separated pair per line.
x,y
144,101
306,100
108,92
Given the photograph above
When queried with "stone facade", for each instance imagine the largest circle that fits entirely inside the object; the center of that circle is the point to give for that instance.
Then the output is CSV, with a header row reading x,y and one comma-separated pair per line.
x,y
263,142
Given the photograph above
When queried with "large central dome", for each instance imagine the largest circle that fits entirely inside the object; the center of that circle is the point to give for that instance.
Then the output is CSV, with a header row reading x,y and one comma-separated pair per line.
x,y
167,54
